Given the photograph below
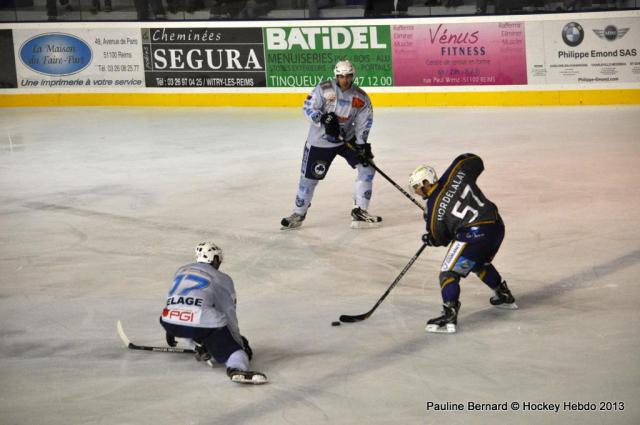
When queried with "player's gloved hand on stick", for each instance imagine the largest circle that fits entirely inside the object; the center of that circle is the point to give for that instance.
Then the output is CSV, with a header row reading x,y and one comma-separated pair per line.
x,y
331,126
364,153
201,353
171,340
247,349
428,240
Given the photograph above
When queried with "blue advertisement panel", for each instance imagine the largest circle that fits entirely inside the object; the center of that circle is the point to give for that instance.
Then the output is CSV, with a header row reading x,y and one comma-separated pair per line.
x,y
78,59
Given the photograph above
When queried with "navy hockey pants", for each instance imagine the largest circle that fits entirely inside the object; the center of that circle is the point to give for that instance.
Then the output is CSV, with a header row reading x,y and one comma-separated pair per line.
x,y
218,341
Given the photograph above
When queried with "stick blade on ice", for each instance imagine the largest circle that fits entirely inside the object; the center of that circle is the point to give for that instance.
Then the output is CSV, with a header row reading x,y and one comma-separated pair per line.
x,y
351,319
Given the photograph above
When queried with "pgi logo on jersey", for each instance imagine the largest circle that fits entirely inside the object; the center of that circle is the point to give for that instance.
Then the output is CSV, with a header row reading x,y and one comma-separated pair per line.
x,y
56,54
611,33
180,316
319,169
572,34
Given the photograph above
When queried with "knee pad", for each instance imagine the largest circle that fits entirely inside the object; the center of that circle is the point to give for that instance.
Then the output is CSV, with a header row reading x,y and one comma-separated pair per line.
x,y
448,277
365,174
480,270
238,360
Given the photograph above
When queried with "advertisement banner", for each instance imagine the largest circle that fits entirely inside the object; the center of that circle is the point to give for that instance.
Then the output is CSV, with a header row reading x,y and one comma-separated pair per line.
x,y
585,51
203,57
305,56
488,53
8,79
78,59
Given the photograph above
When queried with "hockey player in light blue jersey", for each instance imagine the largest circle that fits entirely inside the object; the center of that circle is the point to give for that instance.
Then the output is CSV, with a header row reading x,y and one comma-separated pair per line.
x,y
201,305
341,116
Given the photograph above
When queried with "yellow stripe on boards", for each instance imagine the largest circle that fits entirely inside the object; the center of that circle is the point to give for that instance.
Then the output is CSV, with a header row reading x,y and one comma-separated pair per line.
x,y
520,98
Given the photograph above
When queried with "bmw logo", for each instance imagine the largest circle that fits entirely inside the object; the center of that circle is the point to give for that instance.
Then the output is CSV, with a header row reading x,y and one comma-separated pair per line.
x,y
572,34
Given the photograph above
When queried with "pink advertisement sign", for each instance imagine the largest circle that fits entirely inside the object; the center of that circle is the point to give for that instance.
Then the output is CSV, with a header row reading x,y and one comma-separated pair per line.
x,y
488,53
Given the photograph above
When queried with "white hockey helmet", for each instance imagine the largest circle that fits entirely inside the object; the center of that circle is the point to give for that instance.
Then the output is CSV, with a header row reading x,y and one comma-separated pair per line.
x,y
422,173
344,67
206,252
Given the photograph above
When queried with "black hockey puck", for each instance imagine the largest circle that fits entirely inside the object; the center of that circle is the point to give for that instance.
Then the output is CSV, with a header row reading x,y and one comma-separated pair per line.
x,y
335,323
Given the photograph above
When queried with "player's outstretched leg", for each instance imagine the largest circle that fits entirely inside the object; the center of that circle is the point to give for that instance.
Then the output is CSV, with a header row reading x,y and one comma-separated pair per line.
x,y
246,376
503,297
293,221
361,219
238,369
448,321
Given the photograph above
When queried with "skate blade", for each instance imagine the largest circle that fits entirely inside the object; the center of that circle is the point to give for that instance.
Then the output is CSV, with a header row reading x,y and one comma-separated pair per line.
x,y
512,306
289,228
365,225
254,380
449,328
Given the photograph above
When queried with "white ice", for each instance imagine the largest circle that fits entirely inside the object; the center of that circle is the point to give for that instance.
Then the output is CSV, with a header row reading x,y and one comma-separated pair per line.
x,y
99,206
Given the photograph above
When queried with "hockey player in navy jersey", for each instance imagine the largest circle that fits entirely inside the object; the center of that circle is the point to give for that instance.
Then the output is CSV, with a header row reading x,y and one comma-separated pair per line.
x,y
458,214
201,305
339,112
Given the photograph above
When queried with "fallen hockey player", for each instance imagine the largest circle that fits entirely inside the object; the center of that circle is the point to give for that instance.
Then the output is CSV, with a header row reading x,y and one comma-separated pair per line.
x,y
201,305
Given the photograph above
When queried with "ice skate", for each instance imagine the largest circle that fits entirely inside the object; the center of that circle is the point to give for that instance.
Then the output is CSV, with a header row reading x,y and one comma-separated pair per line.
x,y
503,298
292,222
448,321
361,219
246,376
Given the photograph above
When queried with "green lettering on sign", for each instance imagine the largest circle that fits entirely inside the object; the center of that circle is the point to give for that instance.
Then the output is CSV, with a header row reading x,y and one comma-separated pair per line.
x,y
305,56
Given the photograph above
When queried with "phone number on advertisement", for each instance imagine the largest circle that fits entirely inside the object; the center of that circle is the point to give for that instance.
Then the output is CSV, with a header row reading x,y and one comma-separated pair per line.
x,y
118,68
373,80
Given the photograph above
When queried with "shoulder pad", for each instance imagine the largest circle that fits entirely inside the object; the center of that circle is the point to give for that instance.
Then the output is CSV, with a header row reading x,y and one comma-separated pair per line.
x,y
326,84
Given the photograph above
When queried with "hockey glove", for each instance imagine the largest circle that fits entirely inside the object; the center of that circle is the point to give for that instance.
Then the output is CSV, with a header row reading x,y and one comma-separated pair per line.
x,y
428,240
201,353
247,349
364,153
331,126
171,340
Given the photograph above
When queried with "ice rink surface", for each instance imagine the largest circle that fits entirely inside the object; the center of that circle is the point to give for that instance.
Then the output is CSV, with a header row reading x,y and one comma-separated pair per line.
x,y
99,206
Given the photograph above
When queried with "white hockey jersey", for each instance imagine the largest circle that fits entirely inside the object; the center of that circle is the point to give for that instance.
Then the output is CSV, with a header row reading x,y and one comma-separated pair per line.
x,y
353,108
202,297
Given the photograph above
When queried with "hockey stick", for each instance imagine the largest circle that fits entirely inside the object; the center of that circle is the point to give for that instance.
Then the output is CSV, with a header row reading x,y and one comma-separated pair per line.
x,y
360,317
411,198
130,345
396,185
